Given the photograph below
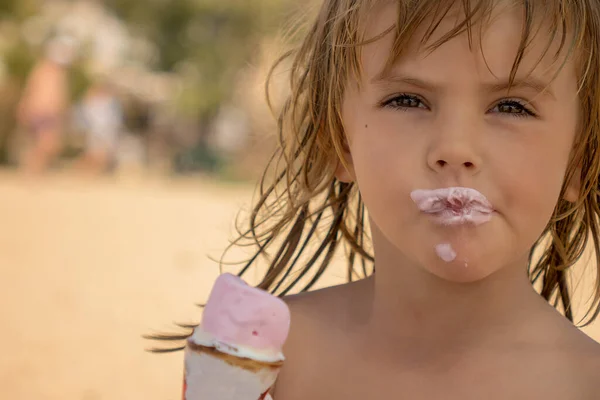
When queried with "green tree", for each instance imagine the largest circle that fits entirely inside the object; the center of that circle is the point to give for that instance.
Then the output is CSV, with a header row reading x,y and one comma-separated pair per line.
x,y
217,37
17,61
213,39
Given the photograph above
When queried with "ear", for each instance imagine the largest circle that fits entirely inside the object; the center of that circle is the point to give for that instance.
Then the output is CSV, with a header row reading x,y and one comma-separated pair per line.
x,y
345,173
573,187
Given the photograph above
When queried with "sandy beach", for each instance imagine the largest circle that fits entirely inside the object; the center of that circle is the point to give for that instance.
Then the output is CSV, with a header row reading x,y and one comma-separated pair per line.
x,y
88,266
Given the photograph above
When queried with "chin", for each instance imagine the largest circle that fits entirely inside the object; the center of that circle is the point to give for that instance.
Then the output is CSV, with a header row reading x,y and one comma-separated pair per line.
x,y
460,271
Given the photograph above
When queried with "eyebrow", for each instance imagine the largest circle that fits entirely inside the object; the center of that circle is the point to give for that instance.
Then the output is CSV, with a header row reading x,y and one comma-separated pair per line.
x,y
530,82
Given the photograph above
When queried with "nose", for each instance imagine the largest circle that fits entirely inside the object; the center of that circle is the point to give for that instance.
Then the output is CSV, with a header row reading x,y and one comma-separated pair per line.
x,y
454,160
454,151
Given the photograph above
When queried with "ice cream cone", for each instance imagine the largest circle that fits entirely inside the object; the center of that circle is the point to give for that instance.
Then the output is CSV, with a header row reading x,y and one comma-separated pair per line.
x,y
212,374
236,351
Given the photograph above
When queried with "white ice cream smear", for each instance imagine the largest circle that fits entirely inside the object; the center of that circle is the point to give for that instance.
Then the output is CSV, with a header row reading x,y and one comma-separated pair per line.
x,y
445,252
202,338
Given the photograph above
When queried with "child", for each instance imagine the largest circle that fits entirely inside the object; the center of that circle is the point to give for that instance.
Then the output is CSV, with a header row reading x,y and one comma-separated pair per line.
x,y
102,115
44,104
469,131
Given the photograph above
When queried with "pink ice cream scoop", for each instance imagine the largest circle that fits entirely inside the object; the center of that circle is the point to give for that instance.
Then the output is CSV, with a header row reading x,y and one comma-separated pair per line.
x,y
236,352
241,315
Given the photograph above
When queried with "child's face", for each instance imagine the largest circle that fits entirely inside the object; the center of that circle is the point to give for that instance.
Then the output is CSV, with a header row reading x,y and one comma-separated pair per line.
x,y
444,119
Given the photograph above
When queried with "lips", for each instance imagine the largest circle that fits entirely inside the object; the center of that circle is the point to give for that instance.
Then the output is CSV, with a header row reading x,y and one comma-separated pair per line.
x,y
454,205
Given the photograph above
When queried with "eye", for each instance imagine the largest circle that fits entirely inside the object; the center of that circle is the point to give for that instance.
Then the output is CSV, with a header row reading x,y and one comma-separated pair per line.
x,y
514,108
404,102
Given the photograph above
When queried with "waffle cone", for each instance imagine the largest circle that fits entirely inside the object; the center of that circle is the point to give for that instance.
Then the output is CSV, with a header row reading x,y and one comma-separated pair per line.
x,y
214,375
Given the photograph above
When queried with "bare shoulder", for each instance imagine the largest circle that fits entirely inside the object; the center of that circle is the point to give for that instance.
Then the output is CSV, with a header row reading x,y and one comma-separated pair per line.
x,y
315,315
318,320
329,307
586,356
579,356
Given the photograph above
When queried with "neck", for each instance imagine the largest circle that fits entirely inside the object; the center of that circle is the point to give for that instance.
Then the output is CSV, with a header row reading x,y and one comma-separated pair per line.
x,y
411,305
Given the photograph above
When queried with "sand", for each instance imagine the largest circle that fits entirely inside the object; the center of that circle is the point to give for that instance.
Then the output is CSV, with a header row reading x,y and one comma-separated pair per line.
x,y
88,266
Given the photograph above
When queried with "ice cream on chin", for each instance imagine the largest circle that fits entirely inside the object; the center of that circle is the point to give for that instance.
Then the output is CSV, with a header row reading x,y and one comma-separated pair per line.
x,y
452,207
445,252
243,321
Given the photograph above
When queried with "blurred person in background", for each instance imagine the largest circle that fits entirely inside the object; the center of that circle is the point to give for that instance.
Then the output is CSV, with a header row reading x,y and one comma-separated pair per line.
x,y
44,105
101,114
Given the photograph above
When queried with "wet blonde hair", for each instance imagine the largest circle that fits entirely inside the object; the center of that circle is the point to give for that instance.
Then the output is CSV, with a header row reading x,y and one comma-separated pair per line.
x,y
304,214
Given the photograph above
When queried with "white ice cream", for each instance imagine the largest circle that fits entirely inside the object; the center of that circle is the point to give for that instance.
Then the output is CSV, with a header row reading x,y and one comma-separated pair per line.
x,y
202,338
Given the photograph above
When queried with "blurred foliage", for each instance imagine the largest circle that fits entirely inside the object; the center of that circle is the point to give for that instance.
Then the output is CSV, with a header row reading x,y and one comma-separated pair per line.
x,y
79,81
205,42
17,9
208,41
19,61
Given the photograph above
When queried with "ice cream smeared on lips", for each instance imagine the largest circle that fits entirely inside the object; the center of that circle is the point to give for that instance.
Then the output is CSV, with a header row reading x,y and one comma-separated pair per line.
x,y
454,205
451,207
243,321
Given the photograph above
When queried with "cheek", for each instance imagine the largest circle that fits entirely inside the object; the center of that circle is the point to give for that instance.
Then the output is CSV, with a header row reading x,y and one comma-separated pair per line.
x,y
384,172
372,168
530,181
380,146
531,194
376,157
388,153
